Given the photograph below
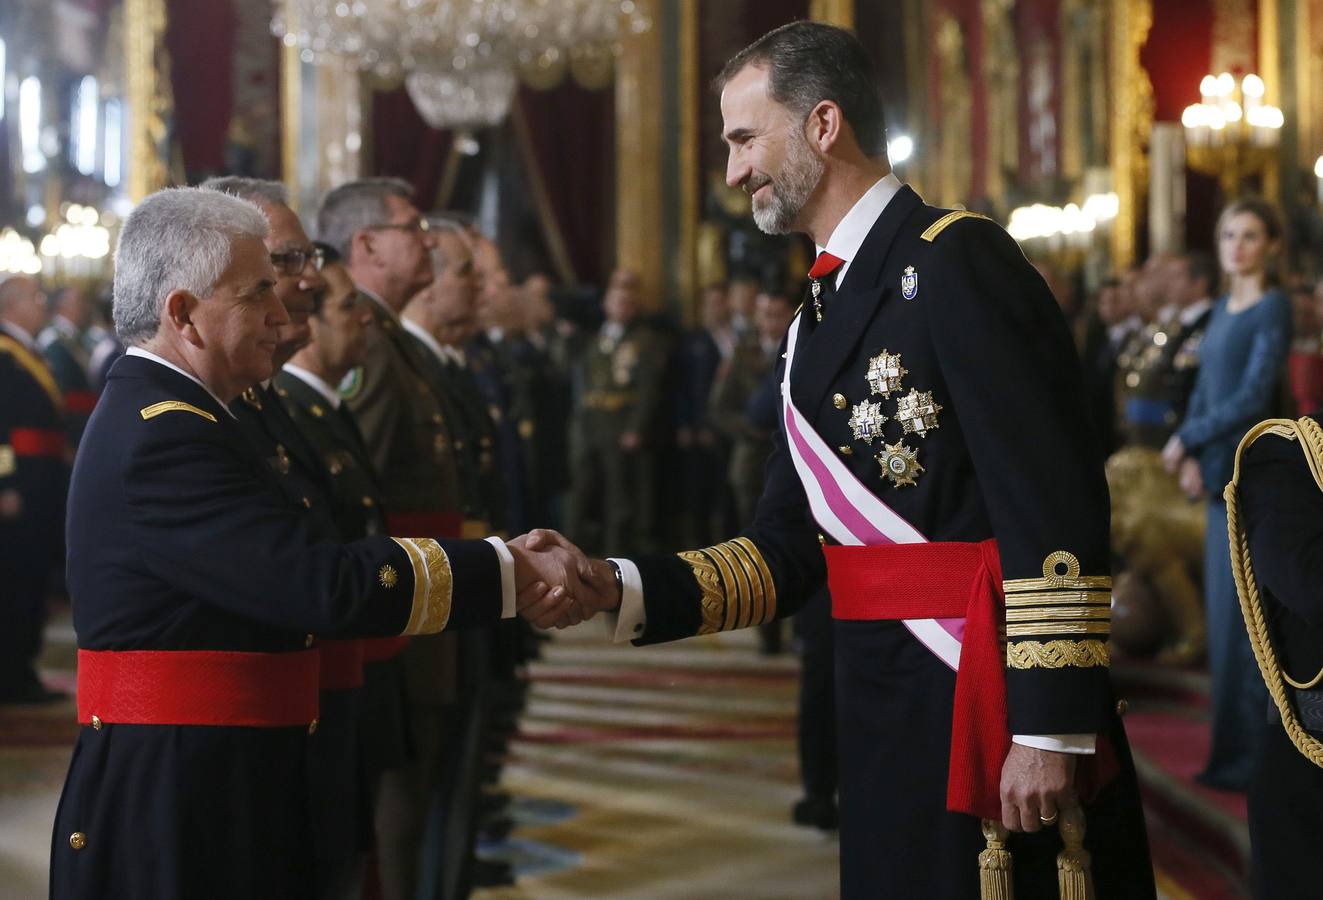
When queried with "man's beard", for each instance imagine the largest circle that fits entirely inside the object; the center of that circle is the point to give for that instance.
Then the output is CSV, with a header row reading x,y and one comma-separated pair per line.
x,y
798,179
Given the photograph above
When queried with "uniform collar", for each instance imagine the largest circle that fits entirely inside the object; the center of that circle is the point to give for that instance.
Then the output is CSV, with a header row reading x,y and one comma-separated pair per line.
x,y
851,231
376,298
147,354
424,336
317,383
18,334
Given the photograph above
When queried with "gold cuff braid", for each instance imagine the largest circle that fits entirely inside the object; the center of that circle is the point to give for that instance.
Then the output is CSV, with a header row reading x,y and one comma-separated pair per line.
x,y
1056,654
735,584
433,585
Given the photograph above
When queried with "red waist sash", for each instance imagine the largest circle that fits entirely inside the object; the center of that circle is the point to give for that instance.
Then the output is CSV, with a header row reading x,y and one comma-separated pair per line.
x,y
197,687
425,524
943,581
80,401
341,665
378,649
45,442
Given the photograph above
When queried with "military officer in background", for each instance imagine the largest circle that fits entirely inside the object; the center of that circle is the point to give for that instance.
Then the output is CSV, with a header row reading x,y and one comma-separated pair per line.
x,y
195,612
385,245
620,376
936,468
66,345
337,790
33,473
1160,372
1275,511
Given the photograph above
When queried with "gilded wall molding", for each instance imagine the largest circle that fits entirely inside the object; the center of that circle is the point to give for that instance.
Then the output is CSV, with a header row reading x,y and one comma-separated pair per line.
x,y
691,179
150,100
1131,100
833,12
639,111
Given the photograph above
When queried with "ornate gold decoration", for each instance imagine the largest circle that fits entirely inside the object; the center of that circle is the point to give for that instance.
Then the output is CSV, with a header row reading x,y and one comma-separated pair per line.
x,y
1101,611
995,864
150,102
839,401
866,420
1054,561
1040,628
885,373
932,231
78,840
1056,654
917,412
1131,101
900,464
639,139
165,406
433,585
252,398
387,576
1061,602
735,583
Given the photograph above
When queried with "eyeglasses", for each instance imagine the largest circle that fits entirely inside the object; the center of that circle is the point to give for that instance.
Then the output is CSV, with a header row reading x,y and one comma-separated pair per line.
x,y
293,260
416,225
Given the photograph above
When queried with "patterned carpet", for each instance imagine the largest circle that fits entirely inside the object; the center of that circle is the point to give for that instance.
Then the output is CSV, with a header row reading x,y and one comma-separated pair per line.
x,y
669,772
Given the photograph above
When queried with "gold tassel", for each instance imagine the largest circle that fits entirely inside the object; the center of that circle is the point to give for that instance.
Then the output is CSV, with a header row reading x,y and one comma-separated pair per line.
x,y
994,864
1073,877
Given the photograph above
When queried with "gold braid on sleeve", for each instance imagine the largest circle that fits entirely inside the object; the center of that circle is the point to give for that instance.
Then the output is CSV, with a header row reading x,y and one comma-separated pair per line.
x,y
1310,436
735,585
1061,620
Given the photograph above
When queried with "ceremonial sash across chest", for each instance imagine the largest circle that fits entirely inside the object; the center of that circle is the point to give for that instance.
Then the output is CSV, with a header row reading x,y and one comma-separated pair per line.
x,y
948,595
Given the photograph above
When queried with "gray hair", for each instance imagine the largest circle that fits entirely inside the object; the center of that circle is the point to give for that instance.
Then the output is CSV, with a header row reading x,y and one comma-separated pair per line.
x,y
355,206
446,224
255,190
178,239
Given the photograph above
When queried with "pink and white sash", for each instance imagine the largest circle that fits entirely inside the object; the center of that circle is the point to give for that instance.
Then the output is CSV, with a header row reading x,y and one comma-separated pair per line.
x,y
851,513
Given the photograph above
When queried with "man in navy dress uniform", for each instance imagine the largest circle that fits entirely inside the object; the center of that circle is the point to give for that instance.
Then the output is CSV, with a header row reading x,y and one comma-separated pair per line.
x,y
935,466
198,591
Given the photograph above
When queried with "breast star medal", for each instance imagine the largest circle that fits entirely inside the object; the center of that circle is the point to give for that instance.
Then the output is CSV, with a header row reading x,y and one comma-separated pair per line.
x,y
885,373
866,421
909,283
917,412
900,464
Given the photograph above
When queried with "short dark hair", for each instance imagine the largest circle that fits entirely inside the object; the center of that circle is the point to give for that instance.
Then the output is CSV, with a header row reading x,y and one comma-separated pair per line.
x,y
809,62
1203,267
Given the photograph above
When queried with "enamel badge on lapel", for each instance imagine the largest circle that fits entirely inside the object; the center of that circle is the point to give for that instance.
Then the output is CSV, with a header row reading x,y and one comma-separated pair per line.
x,y
900,464
866,421
917,412
909,283
885,373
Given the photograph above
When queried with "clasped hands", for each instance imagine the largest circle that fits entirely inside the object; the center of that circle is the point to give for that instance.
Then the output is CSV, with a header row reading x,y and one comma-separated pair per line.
x,y
556,584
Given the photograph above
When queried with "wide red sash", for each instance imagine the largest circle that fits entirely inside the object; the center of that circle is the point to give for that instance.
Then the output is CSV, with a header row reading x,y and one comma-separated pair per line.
x,y
81,401
43,442
197,687
341,665
943,581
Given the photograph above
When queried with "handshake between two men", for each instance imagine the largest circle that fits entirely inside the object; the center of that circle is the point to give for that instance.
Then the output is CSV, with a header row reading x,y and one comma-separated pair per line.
x,y
556,584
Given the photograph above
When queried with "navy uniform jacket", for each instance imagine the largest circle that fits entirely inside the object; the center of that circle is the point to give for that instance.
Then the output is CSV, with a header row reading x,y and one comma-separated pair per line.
x,y
179,539
1012,457
31,404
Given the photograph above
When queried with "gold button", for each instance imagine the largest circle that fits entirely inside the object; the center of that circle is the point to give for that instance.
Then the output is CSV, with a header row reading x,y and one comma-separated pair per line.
x,y
96,722
436,418
312,726
839,401
822,540
307,641
307,503
1122,707
845,450
78,840
369,502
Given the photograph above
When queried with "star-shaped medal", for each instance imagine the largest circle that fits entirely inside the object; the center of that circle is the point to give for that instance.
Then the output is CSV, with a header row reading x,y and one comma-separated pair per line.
x,y
917,412
900,464
885,373
866,421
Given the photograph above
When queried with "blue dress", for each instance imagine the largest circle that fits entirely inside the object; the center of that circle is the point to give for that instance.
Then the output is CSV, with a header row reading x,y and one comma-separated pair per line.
x,y
1242,363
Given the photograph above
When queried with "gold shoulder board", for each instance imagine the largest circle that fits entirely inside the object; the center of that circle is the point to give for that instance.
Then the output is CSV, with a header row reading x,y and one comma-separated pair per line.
x,y
165,406
947,221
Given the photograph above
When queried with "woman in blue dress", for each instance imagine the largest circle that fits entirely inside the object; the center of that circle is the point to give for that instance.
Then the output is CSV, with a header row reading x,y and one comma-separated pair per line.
x,y
1243,357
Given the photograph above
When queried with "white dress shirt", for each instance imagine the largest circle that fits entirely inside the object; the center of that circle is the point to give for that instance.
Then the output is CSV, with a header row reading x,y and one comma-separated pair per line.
x,y
147,354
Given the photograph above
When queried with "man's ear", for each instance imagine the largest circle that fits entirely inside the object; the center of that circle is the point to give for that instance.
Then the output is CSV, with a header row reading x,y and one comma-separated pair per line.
x,y
824,126
361,245
177,316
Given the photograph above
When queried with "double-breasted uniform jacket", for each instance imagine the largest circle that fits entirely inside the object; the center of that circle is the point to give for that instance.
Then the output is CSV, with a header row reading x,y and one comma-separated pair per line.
x,y
181,539
621,384
979,433
1275,504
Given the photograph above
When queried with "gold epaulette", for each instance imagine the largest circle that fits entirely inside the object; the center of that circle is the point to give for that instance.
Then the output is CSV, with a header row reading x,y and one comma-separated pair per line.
x,y
1062,602
165,406
1309,434
736,585
932,231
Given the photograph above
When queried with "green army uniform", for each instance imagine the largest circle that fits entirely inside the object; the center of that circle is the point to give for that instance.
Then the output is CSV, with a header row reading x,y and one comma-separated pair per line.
x,y
1156,370
621,383
68,355
750,444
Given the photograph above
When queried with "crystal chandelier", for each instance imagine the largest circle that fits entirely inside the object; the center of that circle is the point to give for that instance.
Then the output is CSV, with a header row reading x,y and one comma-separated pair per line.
x,y
478,99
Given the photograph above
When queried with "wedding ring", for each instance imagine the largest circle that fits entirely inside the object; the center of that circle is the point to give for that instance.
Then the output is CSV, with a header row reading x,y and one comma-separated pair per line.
x,y
1048,820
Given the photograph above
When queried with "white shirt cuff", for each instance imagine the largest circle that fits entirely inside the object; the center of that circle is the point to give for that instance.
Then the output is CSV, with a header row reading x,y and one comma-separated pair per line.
x,y
631,619
1083,744
506,558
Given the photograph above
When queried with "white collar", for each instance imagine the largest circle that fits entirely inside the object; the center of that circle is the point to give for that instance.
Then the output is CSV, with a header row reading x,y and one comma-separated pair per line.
x,y
1191,313
147,354
18,334
851,231
317,383
423,335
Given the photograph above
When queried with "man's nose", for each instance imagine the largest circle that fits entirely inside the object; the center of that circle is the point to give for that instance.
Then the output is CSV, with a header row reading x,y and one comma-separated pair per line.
x,y
736,170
